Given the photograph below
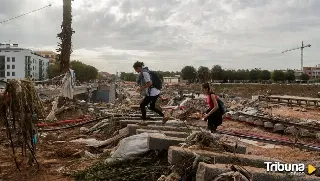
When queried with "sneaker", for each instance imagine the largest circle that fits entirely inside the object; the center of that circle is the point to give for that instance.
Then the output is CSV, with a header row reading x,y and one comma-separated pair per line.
x,y
164,120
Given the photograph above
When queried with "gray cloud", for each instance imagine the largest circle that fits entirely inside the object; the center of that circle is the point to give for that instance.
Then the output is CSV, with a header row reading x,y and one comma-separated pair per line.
x,y
169,34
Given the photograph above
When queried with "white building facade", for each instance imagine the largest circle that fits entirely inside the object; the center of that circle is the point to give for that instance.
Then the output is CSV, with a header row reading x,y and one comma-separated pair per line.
x,y
18,63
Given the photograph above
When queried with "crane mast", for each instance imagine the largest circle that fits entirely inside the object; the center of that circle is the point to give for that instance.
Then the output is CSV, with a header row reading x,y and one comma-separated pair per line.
x,y
301,48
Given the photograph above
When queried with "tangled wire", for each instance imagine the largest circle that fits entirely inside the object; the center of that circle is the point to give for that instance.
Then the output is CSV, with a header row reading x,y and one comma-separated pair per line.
x,y
20,110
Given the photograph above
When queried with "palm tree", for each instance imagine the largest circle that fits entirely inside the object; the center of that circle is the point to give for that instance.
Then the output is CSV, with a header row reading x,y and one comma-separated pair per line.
x,y
65,47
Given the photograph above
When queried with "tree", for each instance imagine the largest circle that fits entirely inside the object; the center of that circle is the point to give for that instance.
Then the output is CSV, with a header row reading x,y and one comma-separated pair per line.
x,y
304,77
53,71
84,72
278,75
290,76
265,75
65,47
203,74
189,73
254,74
217,72
131,77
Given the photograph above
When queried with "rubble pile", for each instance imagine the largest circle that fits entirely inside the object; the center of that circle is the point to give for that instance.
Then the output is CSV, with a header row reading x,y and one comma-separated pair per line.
x,y
147,167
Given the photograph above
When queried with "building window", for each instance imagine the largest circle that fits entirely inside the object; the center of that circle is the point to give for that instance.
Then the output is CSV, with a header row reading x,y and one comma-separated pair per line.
x,y
8,66
13,74
8,59
32,67
13,59
33,61
13,66
8,73
47,56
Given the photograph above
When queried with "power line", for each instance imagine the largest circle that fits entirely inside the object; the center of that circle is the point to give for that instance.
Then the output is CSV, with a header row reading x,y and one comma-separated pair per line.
x,y
25,14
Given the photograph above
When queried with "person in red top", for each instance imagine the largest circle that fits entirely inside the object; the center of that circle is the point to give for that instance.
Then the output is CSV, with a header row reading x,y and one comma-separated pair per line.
x,y
213,115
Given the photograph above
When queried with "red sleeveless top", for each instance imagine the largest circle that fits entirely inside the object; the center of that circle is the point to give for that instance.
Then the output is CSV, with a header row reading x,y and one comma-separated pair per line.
x,y
209,100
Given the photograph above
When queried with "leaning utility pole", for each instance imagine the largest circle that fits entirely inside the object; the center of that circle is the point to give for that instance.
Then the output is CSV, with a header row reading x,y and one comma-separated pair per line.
x,y
65,47
302,47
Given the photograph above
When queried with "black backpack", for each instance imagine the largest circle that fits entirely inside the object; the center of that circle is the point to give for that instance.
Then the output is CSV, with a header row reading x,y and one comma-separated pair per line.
x,y
222,107
156,81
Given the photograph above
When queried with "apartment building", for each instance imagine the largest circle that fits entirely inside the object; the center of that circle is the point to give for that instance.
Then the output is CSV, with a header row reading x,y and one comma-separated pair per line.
x,y
18,63
48,54
313,72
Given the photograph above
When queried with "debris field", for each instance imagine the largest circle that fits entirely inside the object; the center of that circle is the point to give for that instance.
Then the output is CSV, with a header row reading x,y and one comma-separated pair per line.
x,y
109,141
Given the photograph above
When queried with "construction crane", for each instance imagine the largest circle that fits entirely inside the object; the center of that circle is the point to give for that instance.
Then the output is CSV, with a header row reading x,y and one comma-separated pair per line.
x,y
301,48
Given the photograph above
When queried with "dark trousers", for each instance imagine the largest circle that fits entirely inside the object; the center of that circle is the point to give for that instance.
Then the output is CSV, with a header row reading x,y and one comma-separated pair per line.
x,y
152,101
214,120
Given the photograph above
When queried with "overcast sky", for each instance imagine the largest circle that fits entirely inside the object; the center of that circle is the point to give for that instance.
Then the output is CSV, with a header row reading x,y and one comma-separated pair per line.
x,y
169,34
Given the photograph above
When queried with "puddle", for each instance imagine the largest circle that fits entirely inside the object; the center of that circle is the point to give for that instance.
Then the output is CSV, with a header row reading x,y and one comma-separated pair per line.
x,y
260,144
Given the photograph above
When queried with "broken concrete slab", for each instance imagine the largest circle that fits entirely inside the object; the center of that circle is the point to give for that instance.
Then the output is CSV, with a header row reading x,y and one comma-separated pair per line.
x,y
208,172
133,128
279,127
268,124
167,133
306,133
242,118
258,122
163,143
177,155
249,120
291,130
235,147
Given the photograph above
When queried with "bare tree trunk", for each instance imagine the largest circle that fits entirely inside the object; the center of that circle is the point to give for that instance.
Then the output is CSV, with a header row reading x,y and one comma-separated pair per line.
x,y
65,47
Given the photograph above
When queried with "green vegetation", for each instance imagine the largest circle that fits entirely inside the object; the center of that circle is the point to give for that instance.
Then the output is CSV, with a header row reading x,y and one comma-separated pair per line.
x,y
83,71
149,166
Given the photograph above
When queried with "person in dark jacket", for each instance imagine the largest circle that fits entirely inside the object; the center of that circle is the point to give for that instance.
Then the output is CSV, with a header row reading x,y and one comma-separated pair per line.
x,y
213,115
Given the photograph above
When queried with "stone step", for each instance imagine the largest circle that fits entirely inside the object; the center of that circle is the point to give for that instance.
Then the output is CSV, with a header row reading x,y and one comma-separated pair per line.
x,y
208,172
138,115
138,118
163,142
132,128
177,155
124,123
167,133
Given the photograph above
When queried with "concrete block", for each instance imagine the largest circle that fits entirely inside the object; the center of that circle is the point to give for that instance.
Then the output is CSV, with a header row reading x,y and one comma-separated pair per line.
x,y
242,118
279,127
235,117
168,128
258,122
139,115
249,120
133,128
167,133
233,148
306,133
177,155
124,123
163,143
268,124
291,130
208,172
137,118
318,136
